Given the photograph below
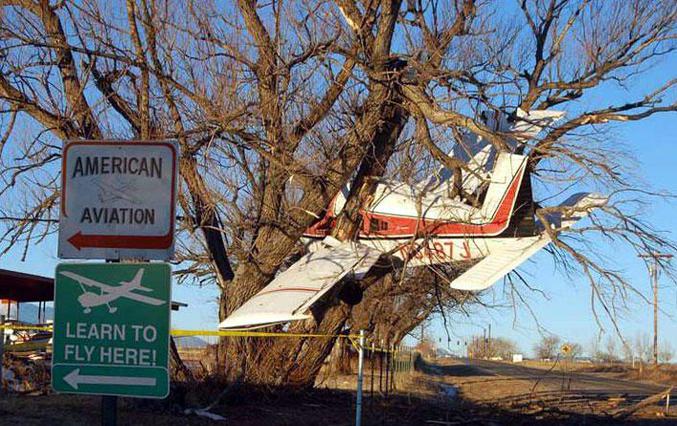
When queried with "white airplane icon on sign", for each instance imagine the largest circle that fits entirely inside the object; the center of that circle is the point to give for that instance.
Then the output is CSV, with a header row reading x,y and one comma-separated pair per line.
x,y
109,293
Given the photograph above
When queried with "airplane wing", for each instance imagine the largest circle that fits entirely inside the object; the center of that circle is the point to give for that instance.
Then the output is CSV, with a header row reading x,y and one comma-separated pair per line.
x,y
88,282
290,295
141,298
498,263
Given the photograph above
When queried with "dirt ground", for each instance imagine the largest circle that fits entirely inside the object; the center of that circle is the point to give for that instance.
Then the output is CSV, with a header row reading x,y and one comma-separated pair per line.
x,y
443,392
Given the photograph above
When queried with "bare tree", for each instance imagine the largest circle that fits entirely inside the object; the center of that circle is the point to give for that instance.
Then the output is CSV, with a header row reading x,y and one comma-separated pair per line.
x,y
610,351
278,105
492,347
666,353
548,347
643,347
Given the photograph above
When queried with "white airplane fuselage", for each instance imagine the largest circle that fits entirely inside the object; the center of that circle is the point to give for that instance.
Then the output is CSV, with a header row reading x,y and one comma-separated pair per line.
x,y
91,300
424,227
437,250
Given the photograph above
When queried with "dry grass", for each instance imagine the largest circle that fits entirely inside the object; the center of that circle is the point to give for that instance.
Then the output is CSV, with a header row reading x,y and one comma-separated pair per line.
x,y
665,374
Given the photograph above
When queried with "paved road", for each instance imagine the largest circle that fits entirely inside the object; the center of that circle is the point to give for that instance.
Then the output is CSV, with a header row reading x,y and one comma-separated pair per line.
x,y
580,382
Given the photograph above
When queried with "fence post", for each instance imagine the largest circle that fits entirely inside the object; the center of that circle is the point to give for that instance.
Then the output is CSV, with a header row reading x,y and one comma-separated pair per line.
x,y
2,344
360,376
371,357
380,368
393,361
388,359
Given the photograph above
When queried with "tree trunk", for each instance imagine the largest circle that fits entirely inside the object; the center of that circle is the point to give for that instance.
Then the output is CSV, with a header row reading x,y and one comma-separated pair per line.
x,y
296,362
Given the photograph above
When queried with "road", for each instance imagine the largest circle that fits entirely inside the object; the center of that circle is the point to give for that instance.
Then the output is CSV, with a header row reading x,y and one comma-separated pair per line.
x,y
580,382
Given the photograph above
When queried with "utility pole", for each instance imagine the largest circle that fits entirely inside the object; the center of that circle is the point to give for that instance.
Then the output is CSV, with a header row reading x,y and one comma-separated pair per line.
x,y
653,272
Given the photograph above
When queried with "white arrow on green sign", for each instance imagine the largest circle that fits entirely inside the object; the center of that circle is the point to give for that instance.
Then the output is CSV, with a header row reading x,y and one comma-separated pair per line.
x,y
74,378
111,329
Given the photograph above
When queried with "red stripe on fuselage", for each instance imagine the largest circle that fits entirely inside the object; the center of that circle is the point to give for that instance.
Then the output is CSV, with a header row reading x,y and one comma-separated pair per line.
x,y
303,289
402,226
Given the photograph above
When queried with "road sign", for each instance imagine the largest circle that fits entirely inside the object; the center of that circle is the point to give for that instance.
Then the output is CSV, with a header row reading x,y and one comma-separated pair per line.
x,y
111,329
118,200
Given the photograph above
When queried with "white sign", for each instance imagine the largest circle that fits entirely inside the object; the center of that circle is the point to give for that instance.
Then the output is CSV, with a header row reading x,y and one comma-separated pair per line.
x,y
118,200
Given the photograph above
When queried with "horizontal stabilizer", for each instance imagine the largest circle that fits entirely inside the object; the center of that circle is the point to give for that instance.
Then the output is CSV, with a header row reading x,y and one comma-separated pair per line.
x,y
575,208
289,296
497,264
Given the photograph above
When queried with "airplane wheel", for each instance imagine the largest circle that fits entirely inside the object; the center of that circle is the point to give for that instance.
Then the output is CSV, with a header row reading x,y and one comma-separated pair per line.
x,y
350,293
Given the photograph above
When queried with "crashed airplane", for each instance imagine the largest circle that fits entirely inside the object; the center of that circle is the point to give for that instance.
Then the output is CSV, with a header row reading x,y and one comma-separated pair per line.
x,y
422,225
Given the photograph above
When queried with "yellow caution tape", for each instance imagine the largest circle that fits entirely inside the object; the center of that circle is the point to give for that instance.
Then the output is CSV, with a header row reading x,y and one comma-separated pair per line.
x,y
231,333
353,338
25,327
245,333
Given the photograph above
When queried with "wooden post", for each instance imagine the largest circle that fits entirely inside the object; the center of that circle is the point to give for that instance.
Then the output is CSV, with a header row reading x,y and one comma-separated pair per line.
x,y
387,371
380,368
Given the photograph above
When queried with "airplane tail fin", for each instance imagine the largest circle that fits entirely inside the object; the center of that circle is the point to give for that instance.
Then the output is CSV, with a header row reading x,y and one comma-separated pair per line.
x,y
136,281
506,179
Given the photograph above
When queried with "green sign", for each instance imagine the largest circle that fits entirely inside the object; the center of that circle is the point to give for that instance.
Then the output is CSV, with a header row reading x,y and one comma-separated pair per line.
x,y
111,329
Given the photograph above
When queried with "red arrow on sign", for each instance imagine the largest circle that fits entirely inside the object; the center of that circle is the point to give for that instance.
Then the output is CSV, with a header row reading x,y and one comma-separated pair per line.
x,y
80,240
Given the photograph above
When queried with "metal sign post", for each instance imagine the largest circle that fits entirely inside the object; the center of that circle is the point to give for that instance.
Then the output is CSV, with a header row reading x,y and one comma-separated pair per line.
x,y
111,321
360,376
109,410
2,344
111,329
118,200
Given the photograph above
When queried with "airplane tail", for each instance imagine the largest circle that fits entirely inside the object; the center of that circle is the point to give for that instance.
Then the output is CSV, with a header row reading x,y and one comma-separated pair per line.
x,y
506,180
136,281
